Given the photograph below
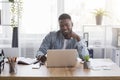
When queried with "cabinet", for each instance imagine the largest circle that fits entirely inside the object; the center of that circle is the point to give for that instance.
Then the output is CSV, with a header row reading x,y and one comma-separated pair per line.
x,y
103,39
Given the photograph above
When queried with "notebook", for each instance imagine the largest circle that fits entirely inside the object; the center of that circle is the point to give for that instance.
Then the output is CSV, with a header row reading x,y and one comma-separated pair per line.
x,y
26,61
61,58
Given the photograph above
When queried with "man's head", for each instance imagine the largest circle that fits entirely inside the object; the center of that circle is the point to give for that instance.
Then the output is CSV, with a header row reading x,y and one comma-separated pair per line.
x,y
65,24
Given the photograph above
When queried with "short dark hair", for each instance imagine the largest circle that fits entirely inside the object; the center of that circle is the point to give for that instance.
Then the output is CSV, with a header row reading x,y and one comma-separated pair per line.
x,y
64,16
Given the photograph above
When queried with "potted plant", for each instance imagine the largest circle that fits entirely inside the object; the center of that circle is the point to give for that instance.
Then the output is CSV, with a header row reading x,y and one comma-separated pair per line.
x,y
86,62
99,13
15,16
14,23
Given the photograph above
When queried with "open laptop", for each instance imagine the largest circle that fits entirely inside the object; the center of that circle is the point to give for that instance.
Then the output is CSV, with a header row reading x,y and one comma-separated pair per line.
x,y
61,58
11,52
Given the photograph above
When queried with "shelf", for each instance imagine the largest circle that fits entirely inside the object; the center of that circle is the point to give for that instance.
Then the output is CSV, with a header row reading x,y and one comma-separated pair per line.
x,y
102,37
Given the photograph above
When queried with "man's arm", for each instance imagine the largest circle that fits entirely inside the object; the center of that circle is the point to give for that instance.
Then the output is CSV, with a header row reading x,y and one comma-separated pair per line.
x,y
44,47
81,46
82,49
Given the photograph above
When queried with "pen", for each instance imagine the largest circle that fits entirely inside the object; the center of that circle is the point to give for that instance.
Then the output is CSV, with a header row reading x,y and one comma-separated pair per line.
x,y
40,63
36,62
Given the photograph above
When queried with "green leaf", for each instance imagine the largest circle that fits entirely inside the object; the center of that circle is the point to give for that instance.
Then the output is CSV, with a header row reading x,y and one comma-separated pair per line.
x,y
86,58
100,11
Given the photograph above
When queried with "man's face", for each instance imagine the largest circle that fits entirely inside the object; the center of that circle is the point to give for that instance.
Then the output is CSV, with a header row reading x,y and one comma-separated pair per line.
x,y
65,26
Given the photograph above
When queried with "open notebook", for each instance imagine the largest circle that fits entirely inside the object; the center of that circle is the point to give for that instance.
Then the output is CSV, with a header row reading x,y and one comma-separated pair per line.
x,y
26,61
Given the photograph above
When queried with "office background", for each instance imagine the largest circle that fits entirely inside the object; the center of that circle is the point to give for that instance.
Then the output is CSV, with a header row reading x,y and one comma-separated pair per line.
x,y
39,17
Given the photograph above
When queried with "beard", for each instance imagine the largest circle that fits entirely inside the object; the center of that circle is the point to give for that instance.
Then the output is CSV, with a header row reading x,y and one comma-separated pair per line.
x,y
67,34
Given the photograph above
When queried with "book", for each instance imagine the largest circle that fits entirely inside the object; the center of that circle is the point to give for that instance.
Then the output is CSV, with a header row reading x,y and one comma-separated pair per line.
x,y
27,61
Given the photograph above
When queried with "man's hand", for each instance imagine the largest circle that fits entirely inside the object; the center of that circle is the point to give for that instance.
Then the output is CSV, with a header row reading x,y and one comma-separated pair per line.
x,y
75,36
42,58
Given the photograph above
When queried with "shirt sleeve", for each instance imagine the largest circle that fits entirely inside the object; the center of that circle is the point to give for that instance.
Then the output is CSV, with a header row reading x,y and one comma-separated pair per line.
x,y
82,49
44,46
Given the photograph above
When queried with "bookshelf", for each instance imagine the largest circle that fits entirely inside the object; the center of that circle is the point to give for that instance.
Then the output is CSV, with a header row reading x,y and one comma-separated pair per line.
x,y
102,37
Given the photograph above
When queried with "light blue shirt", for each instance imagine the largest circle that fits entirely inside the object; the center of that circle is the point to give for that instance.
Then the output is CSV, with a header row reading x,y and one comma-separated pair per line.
x,y
55,40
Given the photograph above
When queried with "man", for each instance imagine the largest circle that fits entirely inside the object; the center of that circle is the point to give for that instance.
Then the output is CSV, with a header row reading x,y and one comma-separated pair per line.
x,y
64,38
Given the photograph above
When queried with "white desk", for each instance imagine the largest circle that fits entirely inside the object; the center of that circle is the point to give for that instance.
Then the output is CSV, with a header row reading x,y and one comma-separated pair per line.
x,y
25,72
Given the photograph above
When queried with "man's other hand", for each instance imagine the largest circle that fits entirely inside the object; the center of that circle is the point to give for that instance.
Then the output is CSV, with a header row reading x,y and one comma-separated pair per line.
x,y
42,58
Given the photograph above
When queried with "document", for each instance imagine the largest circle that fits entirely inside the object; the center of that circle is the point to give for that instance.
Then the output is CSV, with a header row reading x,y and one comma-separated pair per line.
x,y
101,65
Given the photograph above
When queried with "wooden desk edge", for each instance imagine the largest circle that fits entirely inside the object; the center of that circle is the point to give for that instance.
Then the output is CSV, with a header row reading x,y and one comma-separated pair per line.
x,y
62,78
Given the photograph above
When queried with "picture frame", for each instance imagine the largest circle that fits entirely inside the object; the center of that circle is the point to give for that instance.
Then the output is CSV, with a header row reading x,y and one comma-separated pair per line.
x,y
118,41
118,37
86,37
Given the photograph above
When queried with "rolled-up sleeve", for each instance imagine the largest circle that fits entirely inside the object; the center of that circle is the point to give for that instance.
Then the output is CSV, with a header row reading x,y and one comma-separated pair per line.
x,y
82,49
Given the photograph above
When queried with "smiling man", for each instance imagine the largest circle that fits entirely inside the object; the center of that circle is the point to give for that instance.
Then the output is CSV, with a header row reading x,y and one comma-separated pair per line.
x,y
64,38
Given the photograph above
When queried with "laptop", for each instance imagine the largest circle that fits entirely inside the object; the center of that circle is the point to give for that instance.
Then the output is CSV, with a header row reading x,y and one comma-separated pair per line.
x,y
61,58
11,52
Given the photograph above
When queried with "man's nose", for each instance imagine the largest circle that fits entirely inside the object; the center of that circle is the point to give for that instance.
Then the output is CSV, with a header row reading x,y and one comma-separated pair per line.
x,y
64,27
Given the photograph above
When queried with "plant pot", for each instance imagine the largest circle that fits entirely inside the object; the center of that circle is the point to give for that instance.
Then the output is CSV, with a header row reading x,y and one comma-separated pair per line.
x,y
99,19
15,37
86,65
11,0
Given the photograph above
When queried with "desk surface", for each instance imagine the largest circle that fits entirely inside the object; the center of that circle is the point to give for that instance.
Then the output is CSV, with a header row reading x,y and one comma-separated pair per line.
x,y
77,72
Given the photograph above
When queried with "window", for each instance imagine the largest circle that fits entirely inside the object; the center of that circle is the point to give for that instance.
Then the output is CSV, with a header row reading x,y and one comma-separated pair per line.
x,y
39,16
5,28
81,11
